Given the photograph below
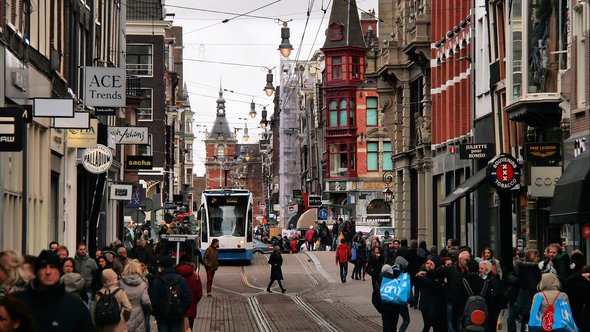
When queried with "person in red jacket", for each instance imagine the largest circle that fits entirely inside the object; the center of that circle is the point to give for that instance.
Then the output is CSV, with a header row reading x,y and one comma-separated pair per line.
x,y
187,270
310,238
343,254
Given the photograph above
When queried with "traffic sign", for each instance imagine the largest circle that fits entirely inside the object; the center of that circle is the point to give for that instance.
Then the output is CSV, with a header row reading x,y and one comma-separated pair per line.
x,y
323,214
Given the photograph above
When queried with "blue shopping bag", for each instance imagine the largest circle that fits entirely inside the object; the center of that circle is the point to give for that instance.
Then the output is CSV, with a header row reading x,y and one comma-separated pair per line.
x,y
397,290
562,319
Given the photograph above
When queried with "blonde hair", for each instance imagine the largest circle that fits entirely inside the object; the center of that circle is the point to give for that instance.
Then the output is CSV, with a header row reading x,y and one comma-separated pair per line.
x,y
487,264
12,263
133,267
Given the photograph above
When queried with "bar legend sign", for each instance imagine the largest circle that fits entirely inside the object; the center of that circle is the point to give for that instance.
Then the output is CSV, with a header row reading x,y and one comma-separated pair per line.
x,y
476,151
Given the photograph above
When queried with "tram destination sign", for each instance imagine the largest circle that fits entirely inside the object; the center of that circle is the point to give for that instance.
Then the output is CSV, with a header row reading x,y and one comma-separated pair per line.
x,y
476,151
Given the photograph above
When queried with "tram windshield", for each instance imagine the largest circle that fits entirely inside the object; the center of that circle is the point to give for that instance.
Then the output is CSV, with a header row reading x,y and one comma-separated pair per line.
x,y
227,215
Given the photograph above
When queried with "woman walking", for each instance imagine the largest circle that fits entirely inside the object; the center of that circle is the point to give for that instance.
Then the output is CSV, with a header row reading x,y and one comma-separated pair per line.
x,y
276,273
211,262
135,287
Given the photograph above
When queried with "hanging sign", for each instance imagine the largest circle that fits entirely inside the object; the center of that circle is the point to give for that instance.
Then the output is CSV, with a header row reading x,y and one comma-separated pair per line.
x,y
83,138
504,172
105,87
97,160
129,135
11,129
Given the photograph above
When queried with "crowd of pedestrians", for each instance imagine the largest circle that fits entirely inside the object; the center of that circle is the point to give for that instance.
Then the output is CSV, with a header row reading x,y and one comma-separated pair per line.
x,y
119,289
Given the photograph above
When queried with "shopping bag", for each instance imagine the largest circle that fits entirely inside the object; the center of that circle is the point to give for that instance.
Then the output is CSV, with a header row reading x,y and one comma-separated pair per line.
x,y
396,291
562,320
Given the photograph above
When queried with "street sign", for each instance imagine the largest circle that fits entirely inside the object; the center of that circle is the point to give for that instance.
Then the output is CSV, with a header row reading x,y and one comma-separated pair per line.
x,y
11,129
323,214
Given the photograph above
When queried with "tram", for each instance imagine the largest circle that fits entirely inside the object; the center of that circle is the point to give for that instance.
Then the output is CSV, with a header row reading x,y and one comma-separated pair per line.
x,y
226,215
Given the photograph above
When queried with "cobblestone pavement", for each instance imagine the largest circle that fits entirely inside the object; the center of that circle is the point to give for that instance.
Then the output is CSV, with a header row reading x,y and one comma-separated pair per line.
x,y
315,300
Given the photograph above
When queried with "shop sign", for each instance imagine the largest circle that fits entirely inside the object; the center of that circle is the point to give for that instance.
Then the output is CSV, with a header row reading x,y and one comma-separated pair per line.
x,y
105,87
504,172
97,160
129,135
139,162
543,180
543,151
476,151
11,129
314,201
121,192
83,138
378,220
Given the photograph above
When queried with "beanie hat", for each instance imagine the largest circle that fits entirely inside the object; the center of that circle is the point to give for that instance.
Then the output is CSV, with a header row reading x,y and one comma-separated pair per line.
x,y
166,262
387,269
47,257
434,260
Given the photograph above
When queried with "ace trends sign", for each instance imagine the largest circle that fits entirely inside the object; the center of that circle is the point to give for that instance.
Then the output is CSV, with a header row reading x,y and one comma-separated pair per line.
x,y
105,87
504,172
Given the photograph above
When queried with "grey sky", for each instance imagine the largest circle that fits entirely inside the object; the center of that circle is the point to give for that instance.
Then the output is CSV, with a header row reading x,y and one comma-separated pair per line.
x,y
249,41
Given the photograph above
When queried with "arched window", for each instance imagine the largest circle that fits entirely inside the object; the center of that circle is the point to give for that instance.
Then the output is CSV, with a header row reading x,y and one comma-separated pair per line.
x,y
220,151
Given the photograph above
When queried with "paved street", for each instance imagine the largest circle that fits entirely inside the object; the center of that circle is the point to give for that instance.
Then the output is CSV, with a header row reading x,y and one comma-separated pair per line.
x,y
315,300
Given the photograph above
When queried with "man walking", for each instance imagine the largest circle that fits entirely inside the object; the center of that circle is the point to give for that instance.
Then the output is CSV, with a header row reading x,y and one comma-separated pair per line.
x,y
169,311
343,254
86,267
53,308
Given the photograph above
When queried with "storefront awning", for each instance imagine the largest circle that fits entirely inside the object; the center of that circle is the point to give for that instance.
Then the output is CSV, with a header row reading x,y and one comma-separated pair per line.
x,y
308,218
464,188
571,199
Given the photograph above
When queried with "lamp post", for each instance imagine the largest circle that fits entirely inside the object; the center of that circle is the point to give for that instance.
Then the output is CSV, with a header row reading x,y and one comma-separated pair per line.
x,y
387,193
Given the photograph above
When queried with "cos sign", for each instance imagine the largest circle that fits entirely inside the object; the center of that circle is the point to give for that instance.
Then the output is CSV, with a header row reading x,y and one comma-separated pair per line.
x,y
543,181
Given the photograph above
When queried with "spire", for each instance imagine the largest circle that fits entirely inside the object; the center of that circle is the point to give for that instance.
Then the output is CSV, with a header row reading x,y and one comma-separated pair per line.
x,y
344,29
220,130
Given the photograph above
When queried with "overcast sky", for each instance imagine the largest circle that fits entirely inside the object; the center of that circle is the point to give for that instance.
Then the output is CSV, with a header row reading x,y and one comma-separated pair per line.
x,y
211,47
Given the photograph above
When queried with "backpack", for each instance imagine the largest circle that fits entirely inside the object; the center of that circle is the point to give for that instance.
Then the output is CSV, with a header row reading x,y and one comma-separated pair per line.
x,y
549,315
474,302
171,306
107,308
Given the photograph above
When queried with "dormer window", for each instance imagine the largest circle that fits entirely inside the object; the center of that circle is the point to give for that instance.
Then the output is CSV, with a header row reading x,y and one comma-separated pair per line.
x,y
337,68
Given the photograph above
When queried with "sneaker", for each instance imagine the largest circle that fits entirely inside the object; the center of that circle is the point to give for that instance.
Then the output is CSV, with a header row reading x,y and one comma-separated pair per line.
x,y
268,290
208,294
283,290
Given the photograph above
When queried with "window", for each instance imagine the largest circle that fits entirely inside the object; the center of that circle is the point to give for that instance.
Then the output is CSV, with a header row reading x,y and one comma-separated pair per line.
x,y
371,111
372,156
356,67
145,149
145,107
139,59
342,114
342,159
516,36
581,44
220,151
337,68
387,162
189,153
333,114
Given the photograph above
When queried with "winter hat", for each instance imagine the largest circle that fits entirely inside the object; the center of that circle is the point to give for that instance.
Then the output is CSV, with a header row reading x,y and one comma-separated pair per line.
x,y
387,271
47,257
109,277
434,260
166,262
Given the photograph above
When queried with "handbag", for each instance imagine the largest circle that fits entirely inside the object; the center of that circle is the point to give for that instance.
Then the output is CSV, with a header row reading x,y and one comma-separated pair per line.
x,y
562,318
396,291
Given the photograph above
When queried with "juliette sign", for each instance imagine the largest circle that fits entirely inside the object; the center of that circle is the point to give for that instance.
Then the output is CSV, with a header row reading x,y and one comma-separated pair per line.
x,y
504,172
476,151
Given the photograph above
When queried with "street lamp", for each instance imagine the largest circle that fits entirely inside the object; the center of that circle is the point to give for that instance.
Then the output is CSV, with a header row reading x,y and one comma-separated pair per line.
x,y
387,193
263,121
252,109
285,47
269,88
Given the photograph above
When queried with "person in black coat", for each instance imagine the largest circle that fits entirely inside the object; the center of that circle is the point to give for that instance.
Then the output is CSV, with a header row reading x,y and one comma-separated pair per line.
x,y
430,303
51,306
375,262
528,276
276,273
577,288
158,294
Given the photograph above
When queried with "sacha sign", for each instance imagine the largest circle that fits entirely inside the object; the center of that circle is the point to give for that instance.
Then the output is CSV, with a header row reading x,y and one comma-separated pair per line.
x,y
504,172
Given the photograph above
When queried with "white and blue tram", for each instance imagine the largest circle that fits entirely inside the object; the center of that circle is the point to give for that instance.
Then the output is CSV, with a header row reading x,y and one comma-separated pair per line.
x,y
226,215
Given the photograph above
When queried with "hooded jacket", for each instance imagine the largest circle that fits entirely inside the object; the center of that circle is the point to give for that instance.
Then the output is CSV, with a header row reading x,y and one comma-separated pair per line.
x,y
109,279
551,286
194,285
86,267
136,289
74,283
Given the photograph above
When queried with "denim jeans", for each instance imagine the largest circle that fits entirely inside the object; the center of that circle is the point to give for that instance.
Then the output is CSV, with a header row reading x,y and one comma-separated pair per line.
x,y
343,271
